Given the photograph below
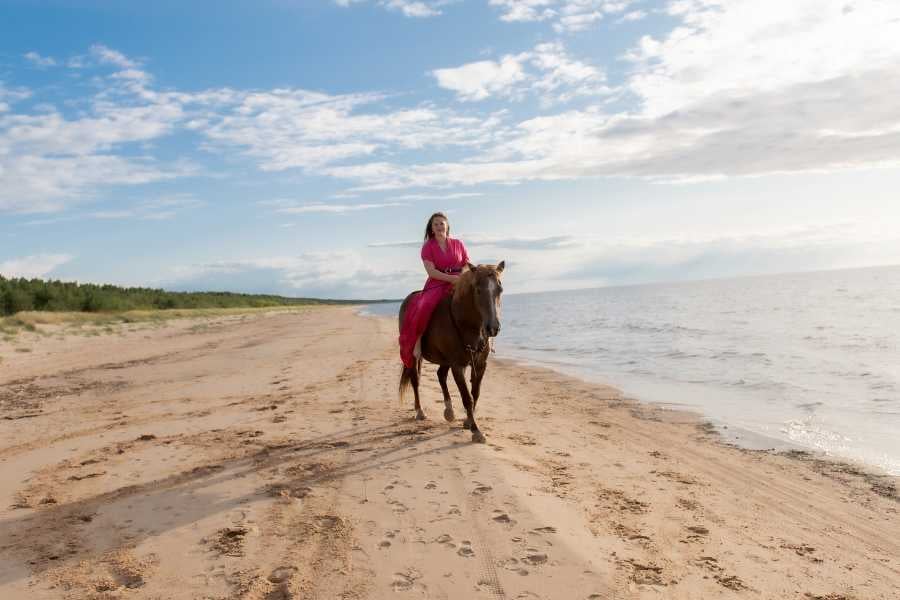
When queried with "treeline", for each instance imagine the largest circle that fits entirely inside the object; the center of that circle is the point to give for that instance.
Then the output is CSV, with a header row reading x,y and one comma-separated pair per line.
x,y
35,294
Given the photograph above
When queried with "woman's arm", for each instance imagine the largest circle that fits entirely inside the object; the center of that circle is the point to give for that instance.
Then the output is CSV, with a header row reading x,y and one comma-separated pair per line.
x,y
439,275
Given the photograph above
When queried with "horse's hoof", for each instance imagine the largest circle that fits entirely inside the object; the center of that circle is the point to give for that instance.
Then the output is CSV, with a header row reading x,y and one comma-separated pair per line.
x,y
448,415
467,424
478,437
420,416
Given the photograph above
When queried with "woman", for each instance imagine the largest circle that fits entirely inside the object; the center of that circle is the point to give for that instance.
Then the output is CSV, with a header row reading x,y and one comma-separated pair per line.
x,y
443,257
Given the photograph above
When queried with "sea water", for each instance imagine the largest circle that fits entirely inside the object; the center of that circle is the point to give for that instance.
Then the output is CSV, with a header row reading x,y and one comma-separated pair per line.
x,y
810,360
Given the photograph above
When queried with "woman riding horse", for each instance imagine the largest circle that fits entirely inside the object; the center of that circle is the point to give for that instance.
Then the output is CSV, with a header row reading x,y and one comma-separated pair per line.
x,y
451,321
444,258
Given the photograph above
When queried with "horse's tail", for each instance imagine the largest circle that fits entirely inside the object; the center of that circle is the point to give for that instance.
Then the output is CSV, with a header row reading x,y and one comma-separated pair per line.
x,y
405,378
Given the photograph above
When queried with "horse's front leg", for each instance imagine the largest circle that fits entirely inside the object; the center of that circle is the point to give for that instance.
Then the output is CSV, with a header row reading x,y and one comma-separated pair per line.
x,y
459,376
477,375
448,403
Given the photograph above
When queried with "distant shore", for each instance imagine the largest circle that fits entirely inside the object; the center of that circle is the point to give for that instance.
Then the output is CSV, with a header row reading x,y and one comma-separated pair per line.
x,y
264,454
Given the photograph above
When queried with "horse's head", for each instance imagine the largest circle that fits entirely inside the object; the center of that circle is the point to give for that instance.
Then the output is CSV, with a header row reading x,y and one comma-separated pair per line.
x,y
483,283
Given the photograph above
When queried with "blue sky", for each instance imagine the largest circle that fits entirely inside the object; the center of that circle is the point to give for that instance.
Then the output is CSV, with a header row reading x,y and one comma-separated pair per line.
x,y
298,146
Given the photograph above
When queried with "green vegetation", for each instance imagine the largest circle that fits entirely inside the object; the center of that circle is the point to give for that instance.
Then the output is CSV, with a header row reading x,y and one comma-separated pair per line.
x,y
18,295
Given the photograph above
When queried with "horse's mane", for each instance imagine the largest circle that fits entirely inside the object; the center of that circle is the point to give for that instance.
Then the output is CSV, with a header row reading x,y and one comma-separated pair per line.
x,y
464,286
467,278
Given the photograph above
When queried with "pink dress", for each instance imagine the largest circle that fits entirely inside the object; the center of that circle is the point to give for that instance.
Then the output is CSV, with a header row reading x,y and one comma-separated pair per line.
x,y
421,305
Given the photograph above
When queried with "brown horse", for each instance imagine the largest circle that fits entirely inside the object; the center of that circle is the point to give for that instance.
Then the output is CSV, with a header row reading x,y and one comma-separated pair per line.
x,y
457,337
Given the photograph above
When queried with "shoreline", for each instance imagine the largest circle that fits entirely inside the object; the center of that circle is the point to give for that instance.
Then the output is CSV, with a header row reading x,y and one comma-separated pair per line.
x,y
267,456
728,431
728,422
731,433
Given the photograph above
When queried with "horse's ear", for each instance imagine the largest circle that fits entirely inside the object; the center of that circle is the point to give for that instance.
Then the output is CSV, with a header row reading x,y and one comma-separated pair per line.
x,y
501,266
469,267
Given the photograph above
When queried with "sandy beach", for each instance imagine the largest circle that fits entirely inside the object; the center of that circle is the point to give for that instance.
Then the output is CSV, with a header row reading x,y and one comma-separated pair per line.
x,y
267,456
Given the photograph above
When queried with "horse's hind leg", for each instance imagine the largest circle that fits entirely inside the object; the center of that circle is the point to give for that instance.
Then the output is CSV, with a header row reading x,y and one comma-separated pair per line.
x,y
448,403
414,380
459,375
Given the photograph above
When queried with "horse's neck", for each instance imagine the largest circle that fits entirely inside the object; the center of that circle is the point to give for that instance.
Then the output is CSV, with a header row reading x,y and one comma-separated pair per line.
x,y
464,310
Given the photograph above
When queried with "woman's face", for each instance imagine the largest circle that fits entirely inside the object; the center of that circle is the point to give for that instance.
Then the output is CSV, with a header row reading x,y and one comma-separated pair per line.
x,y
439,227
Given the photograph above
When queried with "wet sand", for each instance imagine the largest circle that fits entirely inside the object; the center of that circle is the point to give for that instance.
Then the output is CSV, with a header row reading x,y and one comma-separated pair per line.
x,y
267,456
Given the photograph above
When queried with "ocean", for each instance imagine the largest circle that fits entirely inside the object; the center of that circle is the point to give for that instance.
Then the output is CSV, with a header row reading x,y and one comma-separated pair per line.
x,y
808,360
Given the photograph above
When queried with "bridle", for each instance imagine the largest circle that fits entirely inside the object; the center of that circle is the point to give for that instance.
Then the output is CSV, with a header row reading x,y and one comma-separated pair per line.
x,y
472,350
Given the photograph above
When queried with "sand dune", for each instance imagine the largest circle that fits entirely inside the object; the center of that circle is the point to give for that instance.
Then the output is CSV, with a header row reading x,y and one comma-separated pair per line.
x,y
267,457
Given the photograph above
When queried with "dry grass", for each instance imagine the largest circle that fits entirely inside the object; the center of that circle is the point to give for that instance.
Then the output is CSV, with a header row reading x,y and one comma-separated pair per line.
x,y
108,323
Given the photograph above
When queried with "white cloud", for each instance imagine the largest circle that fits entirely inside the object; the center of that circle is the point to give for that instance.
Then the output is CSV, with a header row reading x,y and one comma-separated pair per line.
x,y
532,243
634,15
747,47
40,61
400,244
566,15
48,160
479,80
13,94
547,70
113,57
155,209
631,260
535,243
111,125
412,8
34,266
335,274
712,98
33,184
409,8
451,196
335,208
557,261
289,128
715,98
562,77
526,10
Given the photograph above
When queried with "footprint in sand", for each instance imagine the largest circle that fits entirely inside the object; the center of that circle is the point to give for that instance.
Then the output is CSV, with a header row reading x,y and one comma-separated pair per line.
x,y
465,549
445,539
698,533
430,485
534,557
513,564
388,536
405,581
547,529
502,517
481,489
282,574
229,541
